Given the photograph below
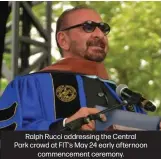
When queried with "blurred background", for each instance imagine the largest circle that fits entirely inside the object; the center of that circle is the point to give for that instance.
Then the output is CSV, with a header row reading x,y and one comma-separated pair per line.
x,y
27,33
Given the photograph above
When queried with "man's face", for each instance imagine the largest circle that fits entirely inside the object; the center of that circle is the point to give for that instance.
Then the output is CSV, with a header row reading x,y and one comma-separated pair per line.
x,y
91,46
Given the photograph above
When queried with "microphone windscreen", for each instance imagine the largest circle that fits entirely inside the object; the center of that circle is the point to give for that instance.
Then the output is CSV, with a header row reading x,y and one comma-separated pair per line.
x,y
119,89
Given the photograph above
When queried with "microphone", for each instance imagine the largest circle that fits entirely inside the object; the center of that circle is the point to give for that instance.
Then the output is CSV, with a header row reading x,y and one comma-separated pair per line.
x,y
125,93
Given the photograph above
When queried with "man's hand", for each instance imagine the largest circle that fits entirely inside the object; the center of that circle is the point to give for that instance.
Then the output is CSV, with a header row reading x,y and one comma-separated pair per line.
x,y
84,112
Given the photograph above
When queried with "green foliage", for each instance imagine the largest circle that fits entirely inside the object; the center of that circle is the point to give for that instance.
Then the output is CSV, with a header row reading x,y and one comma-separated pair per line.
x,y
7,60
3,84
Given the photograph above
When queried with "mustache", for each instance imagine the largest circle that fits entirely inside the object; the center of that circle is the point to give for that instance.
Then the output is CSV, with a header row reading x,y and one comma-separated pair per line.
x,y
96,42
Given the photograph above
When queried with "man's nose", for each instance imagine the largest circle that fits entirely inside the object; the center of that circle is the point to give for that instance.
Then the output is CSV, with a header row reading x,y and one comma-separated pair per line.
x,y
98,33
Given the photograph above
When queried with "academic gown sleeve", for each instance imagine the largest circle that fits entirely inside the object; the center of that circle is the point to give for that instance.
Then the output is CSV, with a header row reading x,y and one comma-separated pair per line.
x,y
28,103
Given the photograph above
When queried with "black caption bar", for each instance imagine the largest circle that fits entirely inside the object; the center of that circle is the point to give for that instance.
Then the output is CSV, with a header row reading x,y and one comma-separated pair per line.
x,y
87,145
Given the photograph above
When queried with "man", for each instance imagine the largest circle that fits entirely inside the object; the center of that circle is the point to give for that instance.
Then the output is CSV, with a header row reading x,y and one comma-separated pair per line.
x,y
69,89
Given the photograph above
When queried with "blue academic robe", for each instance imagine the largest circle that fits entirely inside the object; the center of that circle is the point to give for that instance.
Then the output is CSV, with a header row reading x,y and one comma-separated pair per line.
x,y
28,102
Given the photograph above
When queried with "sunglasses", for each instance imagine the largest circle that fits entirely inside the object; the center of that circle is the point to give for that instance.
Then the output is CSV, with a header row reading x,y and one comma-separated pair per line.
x,y
90,26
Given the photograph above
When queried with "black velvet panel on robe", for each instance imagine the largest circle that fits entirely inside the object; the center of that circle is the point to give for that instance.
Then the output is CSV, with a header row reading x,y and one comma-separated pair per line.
x,y
65,108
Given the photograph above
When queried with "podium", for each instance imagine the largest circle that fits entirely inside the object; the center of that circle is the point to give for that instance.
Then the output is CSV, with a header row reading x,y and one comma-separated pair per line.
x,y
127,121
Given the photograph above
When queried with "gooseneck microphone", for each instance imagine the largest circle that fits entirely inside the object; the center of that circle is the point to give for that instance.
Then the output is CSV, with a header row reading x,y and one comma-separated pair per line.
x,y
134,97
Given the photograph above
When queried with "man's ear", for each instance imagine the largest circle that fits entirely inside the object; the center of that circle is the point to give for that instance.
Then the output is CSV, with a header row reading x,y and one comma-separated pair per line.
x,y
63,40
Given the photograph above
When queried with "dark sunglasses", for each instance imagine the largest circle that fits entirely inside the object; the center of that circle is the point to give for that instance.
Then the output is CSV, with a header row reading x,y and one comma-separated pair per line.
x,y
90,26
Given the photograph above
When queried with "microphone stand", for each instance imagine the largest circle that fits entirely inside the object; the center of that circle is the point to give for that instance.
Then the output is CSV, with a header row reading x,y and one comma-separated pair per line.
x,y
76,124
